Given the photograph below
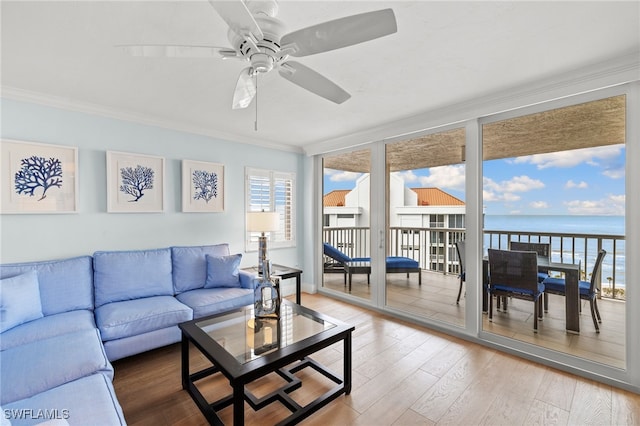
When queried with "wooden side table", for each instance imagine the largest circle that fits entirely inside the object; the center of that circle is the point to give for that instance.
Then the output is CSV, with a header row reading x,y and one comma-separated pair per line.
x,y
284,272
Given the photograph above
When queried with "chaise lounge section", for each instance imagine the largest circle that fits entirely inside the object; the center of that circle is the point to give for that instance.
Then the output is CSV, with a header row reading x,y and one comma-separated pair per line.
x,y
51,354
394,264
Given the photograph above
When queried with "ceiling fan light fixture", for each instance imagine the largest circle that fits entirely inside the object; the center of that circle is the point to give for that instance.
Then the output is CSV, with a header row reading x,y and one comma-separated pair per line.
x,y
262,62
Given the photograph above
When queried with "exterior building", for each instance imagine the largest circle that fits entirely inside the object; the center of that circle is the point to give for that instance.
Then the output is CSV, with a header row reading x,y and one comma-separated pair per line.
x,y
424,223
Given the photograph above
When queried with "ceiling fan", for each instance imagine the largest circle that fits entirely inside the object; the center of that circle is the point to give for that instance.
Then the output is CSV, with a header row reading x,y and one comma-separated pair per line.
x,y
257,36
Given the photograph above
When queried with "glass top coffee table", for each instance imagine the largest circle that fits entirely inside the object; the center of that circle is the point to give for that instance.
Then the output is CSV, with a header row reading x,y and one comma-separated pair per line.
x,y
244,349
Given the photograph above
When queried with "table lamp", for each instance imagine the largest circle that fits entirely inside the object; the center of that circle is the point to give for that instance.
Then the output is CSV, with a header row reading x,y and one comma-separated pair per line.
x,y
262,222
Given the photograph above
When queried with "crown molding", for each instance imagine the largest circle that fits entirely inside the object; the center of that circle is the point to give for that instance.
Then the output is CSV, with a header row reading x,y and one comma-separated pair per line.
x,y
68,104
616,71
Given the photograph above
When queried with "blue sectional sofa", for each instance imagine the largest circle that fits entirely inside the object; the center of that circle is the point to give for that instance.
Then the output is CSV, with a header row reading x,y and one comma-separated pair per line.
x,y
62,322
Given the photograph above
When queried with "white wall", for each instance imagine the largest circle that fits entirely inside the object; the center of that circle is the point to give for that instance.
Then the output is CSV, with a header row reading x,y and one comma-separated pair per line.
x,y
52,236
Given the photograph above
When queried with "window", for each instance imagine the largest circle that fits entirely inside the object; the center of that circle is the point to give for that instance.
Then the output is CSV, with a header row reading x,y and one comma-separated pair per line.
x,y
456,221
436,221
272,191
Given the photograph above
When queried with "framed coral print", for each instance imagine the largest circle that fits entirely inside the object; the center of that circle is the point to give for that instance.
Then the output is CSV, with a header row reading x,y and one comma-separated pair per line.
x,y
38,178
135,183
202,186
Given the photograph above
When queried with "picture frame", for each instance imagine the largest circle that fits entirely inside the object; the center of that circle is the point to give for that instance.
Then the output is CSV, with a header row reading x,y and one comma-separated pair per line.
x,y
135,183
38,178
202,187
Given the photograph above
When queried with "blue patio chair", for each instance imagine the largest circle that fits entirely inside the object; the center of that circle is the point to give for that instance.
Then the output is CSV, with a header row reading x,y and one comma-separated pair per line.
x,y
588,289
393,263
543,250
515,274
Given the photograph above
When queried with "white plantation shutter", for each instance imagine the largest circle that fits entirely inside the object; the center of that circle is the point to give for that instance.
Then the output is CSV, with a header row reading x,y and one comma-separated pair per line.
x,y
272,191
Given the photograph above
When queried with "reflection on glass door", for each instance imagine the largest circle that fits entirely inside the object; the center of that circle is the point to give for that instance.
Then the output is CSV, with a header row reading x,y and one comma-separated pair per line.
x,y
346,233
425,180
555,179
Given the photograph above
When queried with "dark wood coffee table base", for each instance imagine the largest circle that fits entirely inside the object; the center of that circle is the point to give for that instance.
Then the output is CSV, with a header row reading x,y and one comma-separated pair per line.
x,y
284,361
299,412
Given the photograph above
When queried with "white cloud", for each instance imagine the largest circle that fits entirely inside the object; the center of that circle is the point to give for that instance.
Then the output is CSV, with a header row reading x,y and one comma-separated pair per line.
x,y
572,158
539,205
446,177
618,199
407,176
611,205
507,190
614,173
509,196
571,184
522,184
341,176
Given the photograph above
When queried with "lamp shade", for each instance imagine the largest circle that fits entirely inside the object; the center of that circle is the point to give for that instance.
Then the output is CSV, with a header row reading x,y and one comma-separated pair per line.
x,y
263,221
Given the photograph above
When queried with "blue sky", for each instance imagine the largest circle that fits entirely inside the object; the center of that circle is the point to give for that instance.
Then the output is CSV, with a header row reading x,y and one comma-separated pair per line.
x,y
579,182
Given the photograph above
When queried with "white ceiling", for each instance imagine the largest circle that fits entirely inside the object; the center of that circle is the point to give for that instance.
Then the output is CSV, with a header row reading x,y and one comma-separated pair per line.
x,y
444,53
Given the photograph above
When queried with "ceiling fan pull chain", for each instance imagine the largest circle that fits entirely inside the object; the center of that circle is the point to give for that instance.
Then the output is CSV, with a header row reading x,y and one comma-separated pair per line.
x,y
255,124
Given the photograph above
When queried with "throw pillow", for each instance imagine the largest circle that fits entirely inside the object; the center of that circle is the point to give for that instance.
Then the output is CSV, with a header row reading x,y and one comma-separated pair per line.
x,y
19,300
222,271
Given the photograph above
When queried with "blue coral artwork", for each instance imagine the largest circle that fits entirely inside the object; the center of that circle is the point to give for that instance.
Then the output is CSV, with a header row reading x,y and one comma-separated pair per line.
x,y
205,185
41,178
38,174
202,186
135,183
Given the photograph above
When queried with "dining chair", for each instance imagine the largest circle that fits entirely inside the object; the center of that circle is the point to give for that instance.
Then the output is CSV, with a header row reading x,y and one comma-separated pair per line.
x,y
515,274
460,251
588,289
543,250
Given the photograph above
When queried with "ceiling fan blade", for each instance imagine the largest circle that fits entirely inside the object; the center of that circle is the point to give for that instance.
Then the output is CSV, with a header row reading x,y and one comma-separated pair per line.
x,y
177,51
238,17
245,89
340,33
309,79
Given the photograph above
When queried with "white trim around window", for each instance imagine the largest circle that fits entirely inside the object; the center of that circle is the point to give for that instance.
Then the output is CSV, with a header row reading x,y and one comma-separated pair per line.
x,y
271,190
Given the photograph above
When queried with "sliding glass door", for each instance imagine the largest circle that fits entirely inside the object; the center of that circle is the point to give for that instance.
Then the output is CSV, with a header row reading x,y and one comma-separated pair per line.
x,y
557,178
425,222
346,224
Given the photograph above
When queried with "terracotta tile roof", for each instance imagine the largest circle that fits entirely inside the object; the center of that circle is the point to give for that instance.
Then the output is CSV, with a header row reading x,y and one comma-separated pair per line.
x,y
436,197
335,198
426,197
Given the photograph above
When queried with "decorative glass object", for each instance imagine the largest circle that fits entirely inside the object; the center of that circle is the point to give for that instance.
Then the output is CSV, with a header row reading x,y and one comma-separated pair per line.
x,y
265,335
267,298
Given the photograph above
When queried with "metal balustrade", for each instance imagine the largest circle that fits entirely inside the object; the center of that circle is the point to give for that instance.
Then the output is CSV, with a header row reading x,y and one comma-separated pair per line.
x,y
434,249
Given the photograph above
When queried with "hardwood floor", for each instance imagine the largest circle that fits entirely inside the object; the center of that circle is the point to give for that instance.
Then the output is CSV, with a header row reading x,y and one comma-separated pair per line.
x,y
436,299
403,374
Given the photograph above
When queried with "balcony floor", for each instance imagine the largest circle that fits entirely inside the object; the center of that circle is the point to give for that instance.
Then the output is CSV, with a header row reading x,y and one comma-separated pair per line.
x,y
436,299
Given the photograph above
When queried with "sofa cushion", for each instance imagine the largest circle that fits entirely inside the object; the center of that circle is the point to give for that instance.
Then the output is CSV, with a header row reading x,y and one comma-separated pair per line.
x,y
222,271
190,265
132,317
49,326
38,366
127,346
90,400
19,300
207,301
65,285
127,275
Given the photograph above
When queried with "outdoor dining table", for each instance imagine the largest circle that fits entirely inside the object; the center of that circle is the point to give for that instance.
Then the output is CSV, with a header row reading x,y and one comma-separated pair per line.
x,y
572,293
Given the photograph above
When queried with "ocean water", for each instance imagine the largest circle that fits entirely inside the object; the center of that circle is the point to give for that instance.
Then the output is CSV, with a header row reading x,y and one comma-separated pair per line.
x,y
607,225
592,225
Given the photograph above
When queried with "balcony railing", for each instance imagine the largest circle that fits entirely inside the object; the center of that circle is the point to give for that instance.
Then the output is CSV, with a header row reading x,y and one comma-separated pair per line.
x,y
434,249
